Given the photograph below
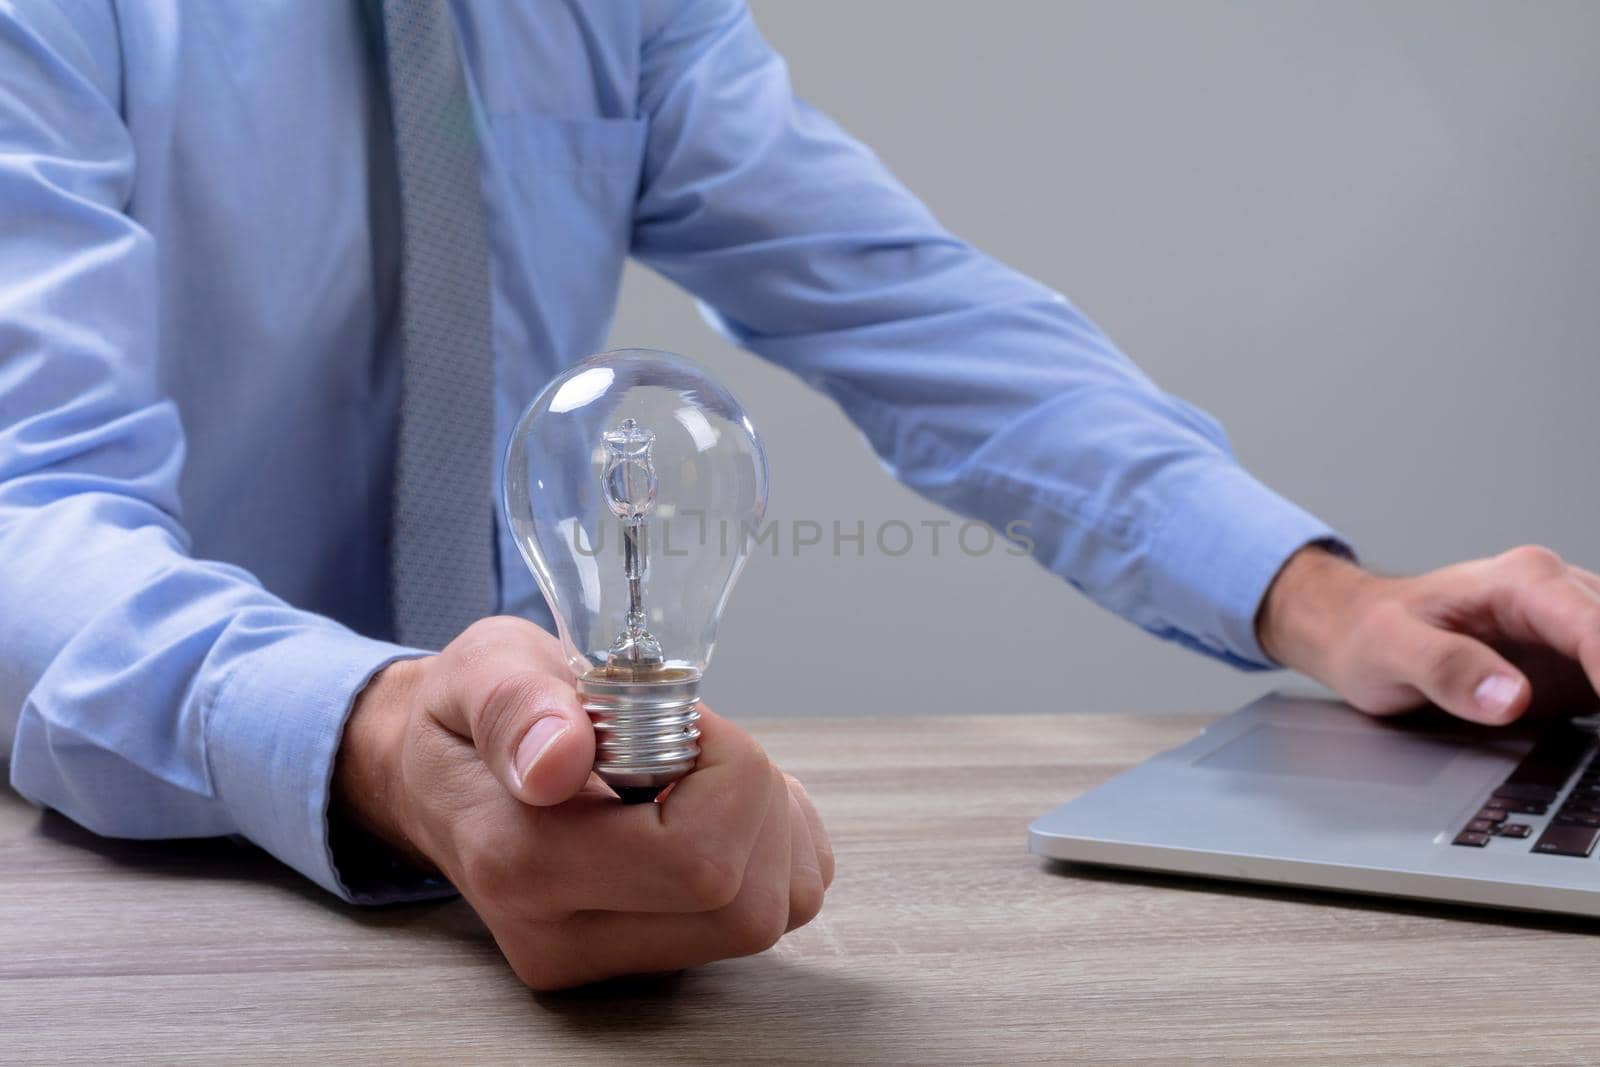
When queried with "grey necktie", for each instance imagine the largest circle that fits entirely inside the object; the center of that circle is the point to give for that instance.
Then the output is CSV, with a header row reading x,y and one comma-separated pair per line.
x,y
441,563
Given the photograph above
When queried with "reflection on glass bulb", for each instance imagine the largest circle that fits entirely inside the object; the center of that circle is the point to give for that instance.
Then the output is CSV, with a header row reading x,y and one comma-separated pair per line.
x,y
632,486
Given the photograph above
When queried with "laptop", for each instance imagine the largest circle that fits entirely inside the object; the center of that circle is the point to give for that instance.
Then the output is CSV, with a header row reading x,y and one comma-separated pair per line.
x,y
1310,792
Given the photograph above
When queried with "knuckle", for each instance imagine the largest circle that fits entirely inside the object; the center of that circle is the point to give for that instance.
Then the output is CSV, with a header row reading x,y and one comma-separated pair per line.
x,y
745,750
480,643
805,898
756,769
471,647
1534,560
487,875
711,881
828,863
777,791
757,921
749,786
492,631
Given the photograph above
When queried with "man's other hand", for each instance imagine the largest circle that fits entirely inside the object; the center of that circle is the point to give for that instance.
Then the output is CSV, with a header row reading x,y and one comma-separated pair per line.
x,y
1488,640
477,762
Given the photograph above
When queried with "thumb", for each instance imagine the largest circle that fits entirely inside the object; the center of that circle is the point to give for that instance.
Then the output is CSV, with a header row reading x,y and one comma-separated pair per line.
x,y
537,739
502,692
1467,678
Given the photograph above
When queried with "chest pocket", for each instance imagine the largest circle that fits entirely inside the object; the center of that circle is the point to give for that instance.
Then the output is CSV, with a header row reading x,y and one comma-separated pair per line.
x,y
569,187
603,149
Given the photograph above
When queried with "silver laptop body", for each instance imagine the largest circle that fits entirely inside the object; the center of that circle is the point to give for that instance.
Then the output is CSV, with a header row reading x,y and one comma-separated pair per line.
x,y
1310,792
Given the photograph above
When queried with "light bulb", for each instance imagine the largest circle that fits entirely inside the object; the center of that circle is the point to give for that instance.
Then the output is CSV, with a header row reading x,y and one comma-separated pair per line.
x,y
633,486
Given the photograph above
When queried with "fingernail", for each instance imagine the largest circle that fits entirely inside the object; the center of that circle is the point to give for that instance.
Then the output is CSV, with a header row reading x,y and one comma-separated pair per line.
x,y
536,742
1496,693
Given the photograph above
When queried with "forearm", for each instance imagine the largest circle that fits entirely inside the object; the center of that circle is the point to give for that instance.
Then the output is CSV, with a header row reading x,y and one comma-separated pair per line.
x,y
984,390
153,695
144,692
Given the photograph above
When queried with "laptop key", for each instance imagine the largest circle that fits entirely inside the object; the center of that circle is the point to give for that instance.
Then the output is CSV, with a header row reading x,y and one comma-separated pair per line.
x,y
1526,807
1471,839
1480,826
1577,818
1560,840
1549,763
1514,829
1536,794
1491,815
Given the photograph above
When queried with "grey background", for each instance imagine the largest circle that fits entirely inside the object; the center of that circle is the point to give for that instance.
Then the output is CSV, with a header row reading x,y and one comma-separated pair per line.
x,y
1364,235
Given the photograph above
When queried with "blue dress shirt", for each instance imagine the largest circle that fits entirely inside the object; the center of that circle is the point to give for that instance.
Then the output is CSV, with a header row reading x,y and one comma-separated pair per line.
x,y
198,387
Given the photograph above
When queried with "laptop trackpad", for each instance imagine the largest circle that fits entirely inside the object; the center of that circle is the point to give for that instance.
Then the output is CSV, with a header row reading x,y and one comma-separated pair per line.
x,y
1389,757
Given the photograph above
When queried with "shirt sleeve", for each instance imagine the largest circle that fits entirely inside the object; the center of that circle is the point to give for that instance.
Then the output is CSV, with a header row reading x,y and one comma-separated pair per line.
x,y
143,693
980,388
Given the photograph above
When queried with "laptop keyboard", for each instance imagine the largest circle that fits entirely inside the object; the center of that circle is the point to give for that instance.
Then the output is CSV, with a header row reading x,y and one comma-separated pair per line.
x,y
1561,757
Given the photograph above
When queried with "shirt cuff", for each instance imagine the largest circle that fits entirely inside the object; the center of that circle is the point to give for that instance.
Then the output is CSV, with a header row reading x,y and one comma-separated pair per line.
x,y
1216,553
272,734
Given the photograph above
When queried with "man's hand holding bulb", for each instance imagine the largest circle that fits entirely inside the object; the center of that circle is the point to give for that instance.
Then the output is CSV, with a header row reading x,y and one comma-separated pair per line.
x,y
477,762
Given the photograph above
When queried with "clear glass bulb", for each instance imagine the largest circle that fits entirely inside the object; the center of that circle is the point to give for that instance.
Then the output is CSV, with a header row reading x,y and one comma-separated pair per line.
x,y
633,484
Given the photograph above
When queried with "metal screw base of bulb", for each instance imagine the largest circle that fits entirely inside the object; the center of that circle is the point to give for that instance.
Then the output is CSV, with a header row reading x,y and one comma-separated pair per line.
x,y
644,727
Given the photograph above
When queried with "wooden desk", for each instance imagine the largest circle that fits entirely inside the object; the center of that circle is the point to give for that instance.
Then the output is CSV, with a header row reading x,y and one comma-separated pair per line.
x,y
942,941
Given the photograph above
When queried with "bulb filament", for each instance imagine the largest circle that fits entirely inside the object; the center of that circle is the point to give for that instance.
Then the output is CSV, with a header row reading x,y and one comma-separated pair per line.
x,y
629,481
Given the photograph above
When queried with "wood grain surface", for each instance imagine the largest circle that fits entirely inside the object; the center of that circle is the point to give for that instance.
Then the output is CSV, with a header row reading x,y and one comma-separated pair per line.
x,y
942,941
